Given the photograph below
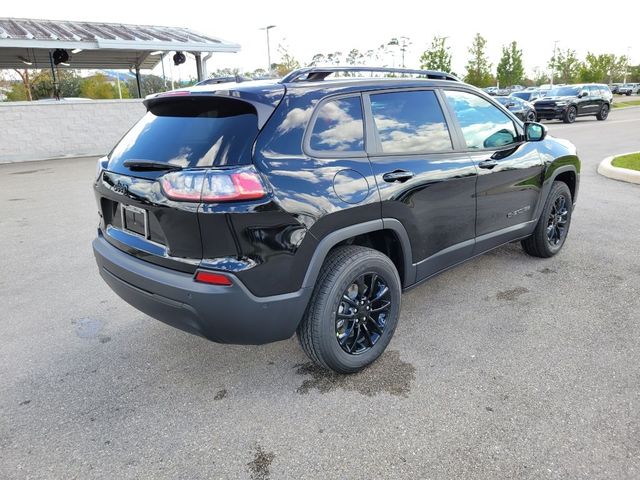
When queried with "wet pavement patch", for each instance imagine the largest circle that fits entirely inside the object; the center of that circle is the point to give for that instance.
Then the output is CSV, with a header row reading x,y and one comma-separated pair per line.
x,y
259,466
389,374
221,394
88,327
511,295
27,172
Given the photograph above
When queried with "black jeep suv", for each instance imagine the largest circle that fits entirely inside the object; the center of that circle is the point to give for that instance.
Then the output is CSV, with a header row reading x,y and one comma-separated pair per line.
x,y
244,212
568,102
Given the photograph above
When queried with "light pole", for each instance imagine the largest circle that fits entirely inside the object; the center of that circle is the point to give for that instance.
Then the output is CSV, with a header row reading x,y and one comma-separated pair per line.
x,y
626,65
553,61
267,28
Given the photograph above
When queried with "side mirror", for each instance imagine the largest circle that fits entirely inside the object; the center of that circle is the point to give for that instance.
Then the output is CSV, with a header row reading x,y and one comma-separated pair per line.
x,y
510,105
583,93
534,132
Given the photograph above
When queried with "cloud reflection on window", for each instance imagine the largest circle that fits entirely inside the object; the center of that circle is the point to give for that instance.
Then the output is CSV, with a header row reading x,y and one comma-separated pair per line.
x,y
483,124
338,126
410,122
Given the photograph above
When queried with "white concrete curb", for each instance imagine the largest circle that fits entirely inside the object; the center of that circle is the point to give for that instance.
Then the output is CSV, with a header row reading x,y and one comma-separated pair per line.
x,y
624,174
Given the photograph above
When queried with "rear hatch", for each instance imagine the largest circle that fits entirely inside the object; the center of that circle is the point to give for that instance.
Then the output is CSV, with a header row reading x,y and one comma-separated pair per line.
x,y
188,149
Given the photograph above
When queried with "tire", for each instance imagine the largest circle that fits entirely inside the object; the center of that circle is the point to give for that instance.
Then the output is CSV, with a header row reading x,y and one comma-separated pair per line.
x,y
531,116
323,338
570,115
604,112
551,232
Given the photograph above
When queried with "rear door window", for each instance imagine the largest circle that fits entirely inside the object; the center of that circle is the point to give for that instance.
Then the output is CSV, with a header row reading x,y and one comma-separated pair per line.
x,y
192,132
410,122
338,126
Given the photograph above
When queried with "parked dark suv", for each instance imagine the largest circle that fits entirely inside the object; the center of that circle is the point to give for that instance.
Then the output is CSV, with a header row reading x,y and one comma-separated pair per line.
x,y
568,102
246,212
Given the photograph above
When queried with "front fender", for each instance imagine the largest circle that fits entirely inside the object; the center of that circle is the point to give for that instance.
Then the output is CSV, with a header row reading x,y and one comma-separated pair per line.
x,y
558,156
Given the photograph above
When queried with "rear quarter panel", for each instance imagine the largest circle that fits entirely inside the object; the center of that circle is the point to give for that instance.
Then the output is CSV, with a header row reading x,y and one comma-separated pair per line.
x,y
304,188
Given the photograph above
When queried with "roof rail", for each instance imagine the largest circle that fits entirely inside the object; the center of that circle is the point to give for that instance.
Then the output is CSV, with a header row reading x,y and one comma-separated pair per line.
x,y
320,73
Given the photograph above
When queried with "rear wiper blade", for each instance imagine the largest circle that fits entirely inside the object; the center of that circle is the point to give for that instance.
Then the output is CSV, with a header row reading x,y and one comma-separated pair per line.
x,y
140,165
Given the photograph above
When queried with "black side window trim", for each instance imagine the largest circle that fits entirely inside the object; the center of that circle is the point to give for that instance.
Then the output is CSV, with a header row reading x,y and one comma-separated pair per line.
x,y
306,139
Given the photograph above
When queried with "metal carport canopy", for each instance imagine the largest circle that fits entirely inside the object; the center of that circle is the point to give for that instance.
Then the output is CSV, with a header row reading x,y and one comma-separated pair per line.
x,y
27,43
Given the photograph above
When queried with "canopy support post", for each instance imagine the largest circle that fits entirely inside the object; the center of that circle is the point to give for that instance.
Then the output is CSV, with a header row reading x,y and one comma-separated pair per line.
x,y
198,56
56,90
138,82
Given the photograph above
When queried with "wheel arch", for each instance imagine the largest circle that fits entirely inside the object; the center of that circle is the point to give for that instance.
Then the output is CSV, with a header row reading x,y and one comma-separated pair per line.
x,y
357,234
566,169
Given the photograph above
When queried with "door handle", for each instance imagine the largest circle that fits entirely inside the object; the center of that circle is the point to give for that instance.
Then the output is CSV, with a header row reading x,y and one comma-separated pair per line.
x,y
488,164
397,176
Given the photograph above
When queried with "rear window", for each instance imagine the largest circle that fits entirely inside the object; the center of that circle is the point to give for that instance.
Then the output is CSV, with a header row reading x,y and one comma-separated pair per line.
x,y
192,132
338,127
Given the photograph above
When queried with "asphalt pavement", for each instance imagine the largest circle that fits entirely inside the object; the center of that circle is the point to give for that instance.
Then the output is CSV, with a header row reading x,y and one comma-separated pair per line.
x,y
505,367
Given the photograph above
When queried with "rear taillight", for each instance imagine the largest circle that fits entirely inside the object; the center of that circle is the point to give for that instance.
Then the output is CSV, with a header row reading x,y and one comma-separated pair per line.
x,y
213,185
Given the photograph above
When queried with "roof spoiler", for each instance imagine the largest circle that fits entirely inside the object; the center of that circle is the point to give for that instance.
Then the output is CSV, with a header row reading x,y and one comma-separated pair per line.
x,y
263,110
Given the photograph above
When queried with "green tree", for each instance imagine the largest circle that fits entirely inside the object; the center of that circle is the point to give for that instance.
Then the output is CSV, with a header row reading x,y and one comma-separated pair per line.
x,y
68,84
99,87
148,83
437,57
334,57
257,73
605,68
354,57
478,66
510,70
17,92
24,92
565,66
318,59
287,62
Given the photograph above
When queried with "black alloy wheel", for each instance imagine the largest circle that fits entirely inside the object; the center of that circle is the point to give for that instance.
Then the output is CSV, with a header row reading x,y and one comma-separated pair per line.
x,y
571,115
557,221
353,311
531,116
362,313
553,225
603,113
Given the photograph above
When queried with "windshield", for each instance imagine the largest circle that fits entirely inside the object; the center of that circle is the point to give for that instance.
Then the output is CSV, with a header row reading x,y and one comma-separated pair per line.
x,y
563,92
192,132
522,95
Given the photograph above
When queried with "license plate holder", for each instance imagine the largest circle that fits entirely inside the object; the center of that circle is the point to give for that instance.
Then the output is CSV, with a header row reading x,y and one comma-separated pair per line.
x,y
135,220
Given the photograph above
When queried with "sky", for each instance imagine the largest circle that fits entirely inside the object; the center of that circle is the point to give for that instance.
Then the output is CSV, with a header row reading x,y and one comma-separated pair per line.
x,y
307,27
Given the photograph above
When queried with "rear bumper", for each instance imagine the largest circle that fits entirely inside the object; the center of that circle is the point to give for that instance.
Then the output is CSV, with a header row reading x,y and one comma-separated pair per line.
x,y
219,313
